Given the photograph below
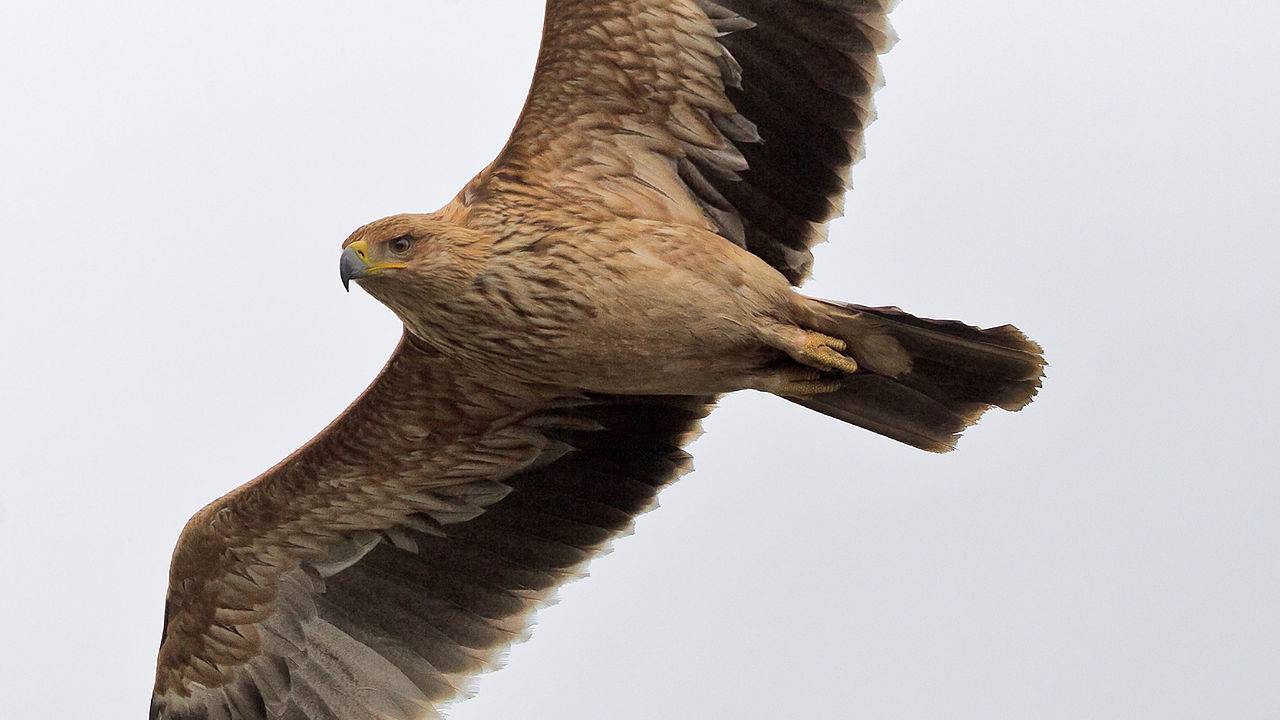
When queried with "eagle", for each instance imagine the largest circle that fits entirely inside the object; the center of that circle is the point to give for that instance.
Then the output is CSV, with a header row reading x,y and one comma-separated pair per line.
x,y
569,318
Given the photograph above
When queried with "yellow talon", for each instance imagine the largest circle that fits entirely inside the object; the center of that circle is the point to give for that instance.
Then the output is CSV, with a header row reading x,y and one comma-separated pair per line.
x,y
818,339
797,381
800,388
825,352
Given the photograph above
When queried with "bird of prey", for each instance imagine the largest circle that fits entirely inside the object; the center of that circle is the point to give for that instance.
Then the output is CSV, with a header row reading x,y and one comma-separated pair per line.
x,y
569,317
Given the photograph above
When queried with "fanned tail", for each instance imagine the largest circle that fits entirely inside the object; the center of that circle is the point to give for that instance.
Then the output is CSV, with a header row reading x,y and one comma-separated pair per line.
x,y
922,381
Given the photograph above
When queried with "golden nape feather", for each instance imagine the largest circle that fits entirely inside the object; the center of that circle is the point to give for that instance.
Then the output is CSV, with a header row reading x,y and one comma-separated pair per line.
x,y
569,318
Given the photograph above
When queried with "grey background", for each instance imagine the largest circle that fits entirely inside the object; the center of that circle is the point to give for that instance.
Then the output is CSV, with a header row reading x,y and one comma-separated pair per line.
x,y
175,179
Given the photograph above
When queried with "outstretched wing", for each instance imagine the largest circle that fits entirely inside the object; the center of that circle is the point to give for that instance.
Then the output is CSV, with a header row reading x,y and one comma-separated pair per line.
x,y
743,116
397,554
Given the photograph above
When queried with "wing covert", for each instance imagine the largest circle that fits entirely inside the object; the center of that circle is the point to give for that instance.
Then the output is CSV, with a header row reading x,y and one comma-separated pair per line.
x,y
376,570
743,116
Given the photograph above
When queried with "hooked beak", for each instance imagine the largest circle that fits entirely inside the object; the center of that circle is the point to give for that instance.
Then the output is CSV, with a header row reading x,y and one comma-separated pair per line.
x,y
352,265
355,264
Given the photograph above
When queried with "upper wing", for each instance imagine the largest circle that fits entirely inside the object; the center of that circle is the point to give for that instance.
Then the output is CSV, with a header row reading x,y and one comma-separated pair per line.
x,y
741,115
372,572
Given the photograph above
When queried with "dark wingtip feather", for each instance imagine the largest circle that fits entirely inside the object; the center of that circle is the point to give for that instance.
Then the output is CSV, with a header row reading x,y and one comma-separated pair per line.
x,y
801,75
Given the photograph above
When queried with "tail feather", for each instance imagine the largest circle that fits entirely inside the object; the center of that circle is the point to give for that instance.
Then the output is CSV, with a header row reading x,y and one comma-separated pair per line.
x,y
923,382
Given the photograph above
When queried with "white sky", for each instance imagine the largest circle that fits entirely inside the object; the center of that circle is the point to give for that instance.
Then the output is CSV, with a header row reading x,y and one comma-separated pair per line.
x,y
175,180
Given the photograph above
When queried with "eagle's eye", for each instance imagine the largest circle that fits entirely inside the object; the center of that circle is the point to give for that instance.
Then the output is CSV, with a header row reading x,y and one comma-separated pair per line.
x,y
401,244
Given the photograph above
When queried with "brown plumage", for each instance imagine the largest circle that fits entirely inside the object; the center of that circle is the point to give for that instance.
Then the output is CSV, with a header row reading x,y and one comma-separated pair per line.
x,y
569,318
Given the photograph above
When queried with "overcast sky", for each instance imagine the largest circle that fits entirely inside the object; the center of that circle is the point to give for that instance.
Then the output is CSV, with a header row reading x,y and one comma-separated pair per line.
x,y
175,180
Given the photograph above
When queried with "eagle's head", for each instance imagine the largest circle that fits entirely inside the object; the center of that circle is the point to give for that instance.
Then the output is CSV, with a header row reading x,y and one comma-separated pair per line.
x,y
411,262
